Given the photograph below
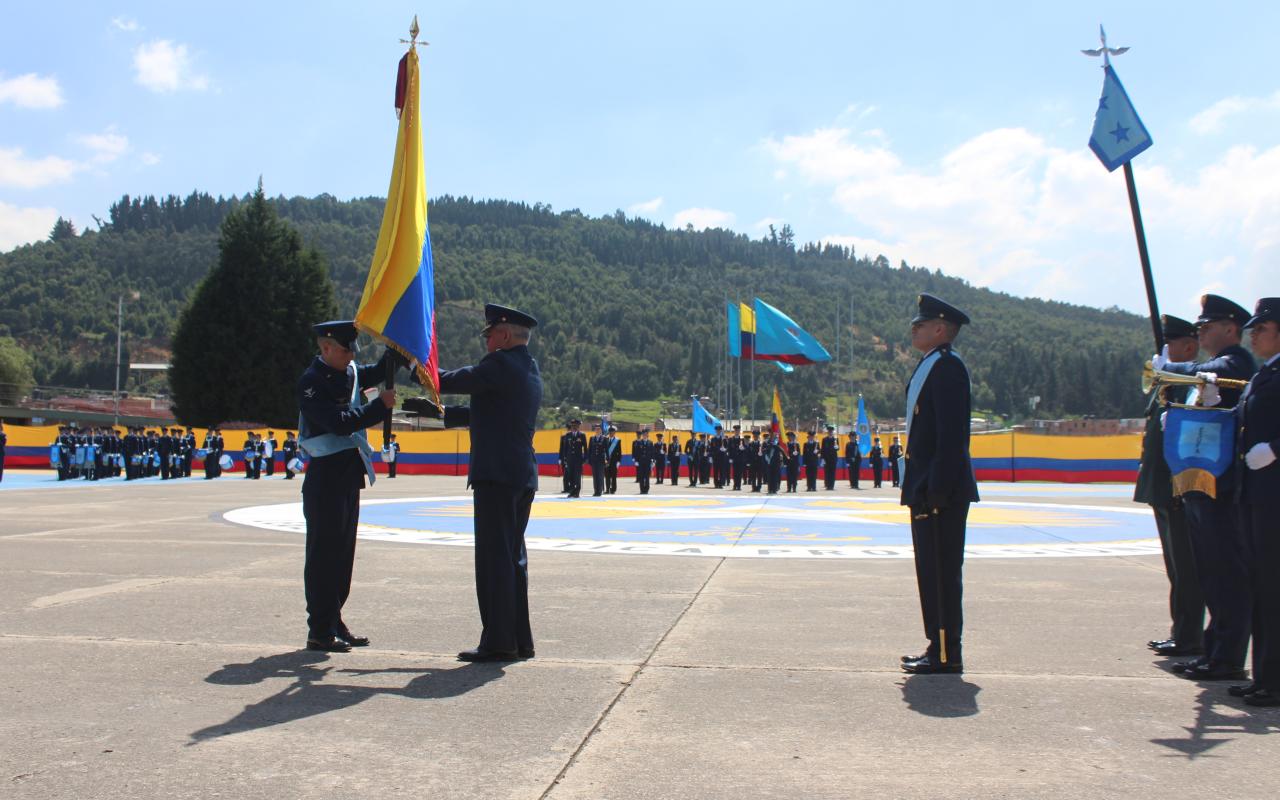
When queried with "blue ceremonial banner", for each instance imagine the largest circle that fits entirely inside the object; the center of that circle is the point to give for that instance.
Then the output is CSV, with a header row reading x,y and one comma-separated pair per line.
x,y
1118,134
735,329
703,422
1199,444
864,429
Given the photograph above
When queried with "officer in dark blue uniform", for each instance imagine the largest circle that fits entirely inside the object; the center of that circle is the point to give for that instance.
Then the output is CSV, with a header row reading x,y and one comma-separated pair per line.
x,y
612,461
597,454
331,429
506,391
810,452
830,457
659,457
1154,487
853,460
771,457
573,453
1258,492
673,458
719,458
1221,552
793,462
938,483
642,456
876,457
737,457
290,451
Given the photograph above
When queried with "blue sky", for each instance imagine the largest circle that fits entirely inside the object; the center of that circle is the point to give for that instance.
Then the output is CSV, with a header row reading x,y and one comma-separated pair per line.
x,y
952,137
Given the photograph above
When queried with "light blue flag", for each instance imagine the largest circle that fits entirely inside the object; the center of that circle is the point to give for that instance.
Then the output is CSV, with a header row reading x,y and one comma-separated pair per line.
x,y
735,329
864,429
1118,134
779,338
703,422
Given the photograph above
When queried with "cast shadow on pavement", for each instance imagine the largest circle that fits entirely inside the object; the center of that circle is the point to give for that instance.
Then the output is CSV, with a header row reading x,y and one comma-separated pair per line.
x,y
1219,714
940,695
308,693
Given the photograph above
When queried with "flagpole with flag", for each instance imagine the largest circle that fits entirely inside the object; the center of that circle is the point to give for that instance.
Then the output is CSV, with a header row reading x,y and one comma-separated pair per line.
x,y
1119,135
778,425
397,306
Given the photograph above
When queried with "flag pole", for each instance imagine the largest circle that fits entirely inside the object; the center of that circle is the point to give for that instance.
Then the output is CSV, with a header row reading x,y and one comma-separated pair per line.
x,y
1147,278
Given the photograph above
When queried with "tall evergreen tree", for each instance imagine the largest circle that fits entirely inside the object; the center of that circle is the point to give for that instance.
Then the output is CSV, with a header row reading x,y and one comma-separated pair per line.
x,y
245,336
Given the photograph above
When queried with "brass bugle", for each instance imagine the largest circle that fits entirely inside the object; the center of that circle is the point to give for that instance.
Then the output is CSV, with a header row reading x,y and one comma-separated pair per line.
x,y
1154,378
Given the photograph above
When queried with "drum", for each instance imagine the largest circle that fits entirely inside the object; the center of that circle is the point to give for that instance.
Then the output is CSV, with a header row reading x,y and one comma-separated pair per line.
x,y
201,453
297,465
135,459
155,459
79,456
55,455
225,461
91,454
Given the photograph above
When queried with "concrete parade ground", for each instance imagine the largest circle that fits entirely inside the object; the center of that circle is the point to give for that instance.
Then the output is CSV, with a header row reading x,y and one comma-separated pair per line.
x,y
692,643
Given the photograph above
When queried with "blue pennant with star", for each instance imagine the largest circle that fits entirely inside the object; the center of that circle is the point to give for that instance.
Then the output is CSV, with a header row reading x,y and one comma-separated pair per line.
x,y
1118,133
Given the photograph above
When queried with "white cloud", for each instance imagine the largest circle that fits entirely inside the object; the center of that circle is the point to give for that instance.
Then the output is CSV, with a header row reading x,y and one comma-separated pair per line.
x,y
20,172
106,146
1009,210
19,226
31,91
646,207
701,218
125,24
763,224
1210,120
150,159
163,66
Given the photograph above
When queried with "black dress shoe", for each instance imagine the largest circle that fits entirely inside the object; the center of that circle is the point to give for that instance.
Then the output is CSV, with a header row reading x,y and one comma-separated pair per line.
x,y
327,644
344,633
1215,672
478,655
1180,667
525,652
927,666
1156,644
1243,690
909,659
1263,697
1172,648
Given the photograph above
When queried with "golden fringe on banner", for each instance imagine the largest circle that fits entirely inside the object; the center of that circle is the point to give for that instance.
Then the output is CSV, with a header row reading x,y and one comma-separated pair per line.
x,y
1195,480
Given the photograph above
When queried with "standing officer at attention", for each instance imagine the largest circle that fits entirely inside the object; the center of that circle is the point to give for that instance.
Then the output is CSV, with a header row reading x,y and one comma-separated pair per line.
x,y
506,390
290,451
938,484
1258,492
573,450
613,459
793,462
673,458
1155,488
331,426
810,455
597,453
830,457
877,461
895,468
659,457
642,455
737,457
391,455
853,460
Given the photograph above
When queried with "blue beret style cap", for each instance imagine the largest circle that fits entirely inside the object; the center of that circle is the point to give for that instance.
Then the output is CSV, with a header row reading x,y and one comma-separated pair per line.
x,y
496,315
1175,327
341,331
1215,307
931,307
1267,310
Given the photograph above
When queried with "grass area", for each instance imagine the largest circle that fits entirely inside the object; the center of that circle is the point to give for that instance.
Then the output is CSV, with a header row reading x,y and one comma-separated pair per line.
x,y
638,411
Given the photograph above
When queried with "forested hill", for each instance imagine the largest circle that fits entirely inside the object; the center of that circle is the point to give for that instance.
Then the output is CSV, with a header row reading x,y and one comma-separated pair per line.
x,y
626,306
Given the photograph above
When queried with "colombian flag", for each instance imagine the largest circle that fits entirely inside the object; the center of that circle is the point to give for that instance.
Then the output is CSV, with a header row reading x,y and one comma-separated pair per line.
x,y
777,425
399,301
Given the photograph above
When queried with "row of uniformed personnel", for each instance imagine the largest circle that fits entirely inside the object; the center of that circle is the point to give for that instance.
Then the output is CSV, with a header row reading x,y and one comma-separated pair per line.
x,y
1220,542
756,459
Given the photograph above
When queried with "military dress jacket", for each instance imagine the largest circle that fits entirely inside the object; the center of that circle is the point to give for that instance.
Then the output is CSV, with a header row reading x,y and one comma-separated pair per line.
x,y
939,472
324,402
1258,421
1233,362
506,391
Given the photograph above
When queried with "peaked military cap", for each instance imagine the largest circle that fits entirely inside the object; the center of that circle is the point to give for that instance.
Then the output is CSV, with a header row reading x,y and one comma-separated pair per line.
x,y
931,307
831,427
496,315
341,331
1215,307
575,422
1267,310
1175,327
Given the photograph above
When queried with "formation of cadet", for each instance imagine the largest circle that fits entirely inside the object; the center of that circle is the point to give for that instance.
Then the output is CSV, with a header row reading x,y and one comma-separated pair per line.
x,y
937,481
1221,551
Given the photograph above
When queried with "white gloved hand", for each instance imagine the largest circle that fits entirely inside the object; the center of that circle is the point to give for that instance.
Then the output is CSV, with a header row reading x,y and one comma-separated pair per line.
x,y
1164,417
1209,395
1259,456
1161,359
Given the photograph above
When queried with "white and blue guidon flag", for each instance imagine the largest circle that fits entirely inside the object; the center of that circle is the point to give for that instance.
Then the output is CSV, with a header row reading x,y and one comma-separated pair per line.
x,y
1118,134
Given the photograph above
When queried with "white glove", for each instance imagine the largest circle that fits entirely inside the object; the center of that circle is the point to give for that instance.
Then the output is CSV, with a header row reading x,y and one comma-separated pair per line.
x,y
1164,417
1259,456
1161,359
1209,395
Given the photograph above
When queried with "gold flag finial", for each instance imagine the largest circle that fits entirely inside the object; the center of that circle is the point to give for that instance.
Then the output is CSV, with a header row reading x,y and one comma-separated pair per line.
x,y
413,34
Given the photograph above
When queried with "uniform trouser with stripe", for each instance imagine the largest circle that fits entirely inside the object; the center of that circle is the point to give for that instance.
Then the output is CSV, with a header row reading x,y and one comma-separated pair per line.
x,y
502,565
1260,520
332,516
939,554
1222,565
1186,604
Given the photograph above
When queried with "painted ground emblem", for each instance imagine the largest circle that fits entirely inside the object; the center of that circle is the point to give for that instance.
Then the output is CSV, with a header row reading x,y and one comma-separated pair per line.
x,y
750,526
